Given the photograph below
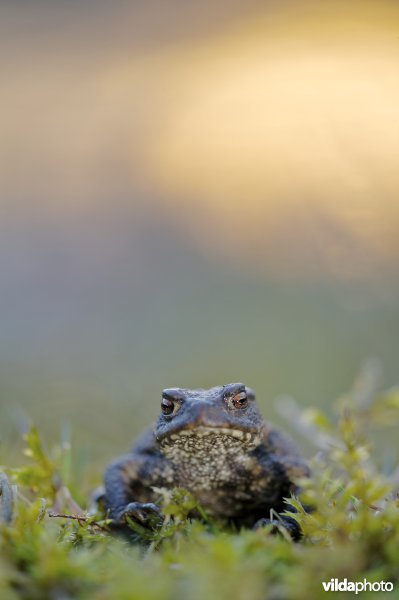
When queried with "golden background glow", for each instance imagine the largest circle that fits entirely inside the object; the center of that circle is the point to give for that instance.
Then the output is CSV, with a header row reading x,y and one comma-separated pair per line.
x,y
286,134
273,139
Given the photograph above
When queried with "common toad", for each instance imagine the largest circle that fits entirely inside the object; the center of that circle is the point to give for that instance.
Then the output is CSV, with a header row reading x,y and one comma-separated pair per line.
x,y
215,444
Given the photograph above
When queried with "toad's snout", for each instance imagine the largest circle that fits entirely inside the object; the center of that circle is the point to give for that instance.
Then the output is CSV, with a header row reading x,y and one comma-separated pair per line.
x,y
203,414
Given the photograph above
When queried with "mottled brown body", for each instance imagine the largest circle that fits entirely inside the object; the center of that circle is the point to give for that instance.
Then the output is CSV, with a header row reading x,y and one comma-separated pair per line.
x,y
215,444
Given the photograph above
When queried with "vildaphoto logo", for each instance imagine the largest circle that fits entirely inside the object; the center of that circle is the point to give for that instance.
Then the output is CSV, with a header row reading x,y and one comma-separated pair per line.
x,y
335,585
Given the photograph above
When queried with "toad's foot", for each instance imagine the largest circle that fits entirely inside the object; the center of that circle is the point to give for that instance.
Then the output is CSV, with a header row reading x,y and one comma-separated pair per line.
x,y
289,524
147,515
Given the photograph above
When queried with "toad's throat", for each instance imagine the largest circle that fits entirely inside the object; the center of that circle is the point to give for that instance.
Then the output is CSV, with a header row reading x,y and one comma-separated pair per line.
x,y
207,458
220,440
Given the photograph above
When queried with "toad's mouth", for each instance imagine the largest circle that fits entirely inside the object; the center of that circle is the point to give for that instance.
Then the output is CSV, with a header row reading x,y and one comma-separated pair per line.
x,y
210,434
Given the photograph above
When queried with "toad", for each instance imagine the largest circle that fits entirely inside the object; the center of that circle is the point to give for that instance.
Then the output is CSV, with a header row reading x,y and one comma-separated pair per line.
x,y
215,444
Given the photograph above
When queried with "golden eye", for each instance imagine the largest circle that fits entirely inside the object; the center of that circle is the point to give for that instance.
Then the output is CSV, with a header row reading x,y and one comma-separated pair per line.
x,y
172,399
239,400
167,406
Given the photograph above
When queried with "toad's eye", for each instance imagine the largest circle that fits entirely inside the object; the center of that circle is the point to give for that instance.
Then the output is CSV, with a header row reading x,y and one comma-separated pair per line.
x,y
167,406
239,400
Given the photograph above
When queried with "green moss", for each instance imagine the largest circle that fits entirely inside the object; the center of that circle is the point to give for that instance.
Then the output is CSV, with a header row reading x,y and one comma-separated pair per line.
x,y
352,530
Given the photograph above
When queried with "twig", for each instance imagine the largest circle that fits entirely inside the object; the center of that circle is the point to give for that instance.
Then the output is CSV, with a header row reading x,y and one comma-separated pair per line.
x,y
79,518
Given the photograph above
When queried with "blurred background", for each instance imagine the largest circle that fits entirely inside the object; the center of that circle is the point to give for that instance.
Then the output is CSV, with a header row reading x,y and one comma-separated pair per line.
x,y
193,194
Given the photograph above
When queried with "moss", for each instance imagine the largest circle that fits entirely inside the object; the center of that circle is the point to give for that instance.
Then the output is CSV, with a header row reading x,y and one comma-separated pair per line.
x,y
351,531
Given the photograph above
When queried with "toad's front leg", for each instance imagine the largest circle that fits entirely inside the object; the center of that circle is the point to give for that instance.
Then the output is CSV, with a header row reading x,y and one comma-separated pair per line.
x,y
128,493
